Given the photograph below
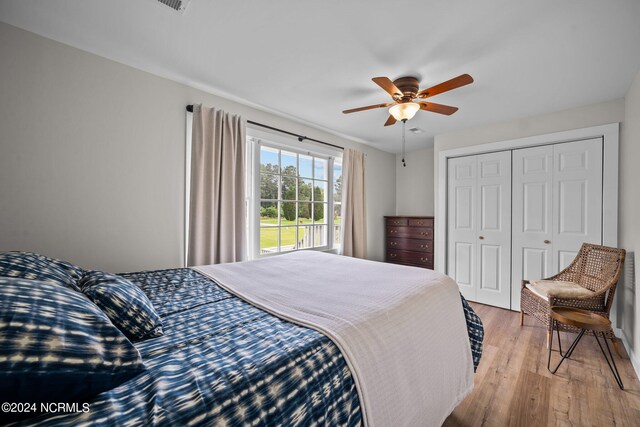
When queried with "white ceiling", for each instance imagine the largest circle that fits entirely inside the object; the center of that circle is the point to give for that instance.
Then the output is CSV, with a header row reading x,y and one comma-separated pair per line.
x,y
312,59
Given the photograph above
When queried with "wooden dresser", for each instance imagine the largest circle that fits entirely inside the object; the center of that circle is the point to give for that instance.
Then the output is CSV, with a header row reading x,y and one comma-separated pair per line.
x,y
409,240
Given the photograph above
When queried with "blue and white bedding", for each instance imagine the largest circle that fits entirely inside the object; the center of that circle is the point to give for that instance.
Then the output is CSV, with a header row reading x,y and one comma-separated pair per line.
x,y
222,361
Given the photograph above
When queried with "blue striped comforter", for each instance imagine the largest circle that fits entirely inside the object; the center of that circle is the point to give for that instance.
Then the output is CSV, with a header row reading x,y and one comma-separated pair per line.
x,y
224,362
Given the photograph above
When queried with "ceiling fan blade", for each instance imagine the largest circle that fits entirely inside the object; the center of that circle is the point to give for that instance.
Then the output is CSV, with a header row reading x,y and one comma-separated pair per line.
x,y
454,83
390,121
438,108
388,86
368,107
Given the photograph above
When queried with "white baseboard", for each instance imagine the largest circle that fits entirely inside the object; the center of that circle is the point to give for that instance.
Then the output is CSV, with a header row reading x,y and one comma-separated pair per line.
x,y
635,360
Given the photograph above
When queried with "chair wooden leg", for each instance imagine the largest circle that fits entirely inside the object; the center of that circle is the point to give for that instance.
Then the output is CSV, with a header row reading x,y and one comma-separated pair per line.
x,y
616,347
548,337
521,317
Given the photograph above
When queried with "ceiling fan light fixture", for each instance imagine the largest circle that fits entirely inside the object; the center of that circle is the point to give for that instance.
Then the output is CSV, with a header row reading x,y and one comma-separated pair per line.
x,y
404,111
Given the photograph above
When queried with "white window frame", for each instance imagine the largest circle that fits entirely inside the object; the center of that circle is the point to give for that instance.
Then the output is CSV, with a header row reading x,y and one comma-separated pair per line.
x,y
257,138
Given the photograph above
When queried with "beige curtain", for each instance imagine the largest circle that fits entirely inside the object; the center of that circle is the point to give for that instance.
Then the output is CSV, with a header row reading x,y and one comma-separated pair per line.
x,y
354,218
217,219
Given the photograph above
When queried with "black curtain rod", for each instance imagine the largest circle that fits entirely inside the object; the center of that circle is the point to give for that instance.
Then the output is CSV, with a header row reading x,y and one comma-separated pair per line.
x,y
300,137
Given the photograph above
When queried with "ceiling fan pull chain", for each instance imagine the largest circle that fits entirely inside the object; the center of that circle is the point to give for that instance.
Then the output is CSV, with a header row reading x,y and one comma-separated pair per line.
x,y
404,125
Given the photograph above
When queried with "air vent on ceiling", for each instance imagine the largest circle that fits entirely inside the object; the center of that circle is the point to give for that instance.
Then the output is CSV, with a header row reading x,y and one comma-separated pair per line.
x,y
177,5
416,130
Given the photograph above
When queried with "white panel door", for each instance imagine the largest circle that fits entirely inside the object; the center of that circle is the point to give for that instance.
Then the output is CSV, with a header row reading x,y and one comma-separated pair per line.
x,y
557,206
577,207
532,216
493,249
461,220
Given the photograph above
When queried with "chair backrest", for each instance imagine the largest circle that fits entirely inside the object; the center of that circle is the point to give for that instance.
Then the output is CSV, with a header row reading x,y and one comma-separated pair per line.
x,y
596,268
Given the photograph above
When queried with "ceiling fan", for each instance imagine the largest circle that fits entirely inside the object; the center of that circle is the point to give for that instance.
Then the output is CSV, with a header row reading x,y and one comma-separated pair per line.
x,y
406,89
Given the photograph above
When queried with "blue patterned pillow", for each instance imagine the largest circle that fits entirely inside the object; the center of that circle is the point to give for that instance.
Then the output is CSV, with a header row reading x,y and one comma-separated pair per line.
x,y
57,346
125,304
27,265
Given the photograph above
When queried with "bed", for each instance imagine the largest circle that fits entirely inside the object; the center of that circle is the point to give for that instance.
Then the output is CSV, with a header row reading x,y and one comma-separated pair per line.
x,y
226,356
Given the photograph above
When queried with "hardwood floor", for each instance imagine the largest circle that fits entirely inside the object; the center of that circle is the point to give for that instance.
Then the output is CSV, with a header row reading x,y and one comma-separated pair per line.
x,y
514,388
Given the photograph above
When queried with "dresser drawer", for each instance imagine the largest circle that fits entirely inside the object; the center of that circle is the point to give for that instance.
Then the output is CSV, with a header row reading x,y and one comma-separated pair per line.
x,y
418,245
397,221
412,232
413,258
421,222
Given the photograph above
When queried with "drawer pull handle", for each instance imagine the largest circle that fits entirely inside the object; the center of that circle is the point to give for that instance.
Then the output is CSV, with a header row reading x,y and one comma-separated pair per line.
x,y
393,255
547,241
423,259
424,246
481,237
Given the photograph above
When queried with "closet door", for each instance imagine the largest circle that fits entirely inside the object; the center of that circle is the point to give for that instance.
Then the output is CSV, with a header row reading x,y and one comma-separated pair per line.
x,y
557,206
479,227
532,216
493,249
577,207
462,228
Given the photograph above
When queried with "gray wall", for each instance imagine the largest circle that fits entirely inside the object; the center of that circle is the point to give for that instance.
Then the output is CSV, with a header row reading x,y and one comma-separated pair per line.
x,y
629,232
92,158
414,183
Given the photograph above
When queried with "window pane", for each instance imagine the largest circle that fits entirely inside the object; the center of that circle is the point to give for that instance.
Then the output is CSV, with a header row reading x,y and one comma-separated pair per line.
x,y
268,240
337,212
305,236
337,180
304,189
288,187
287,238
319,168
268,214
289,215
320,233
337,169
289,163
304,213
306,166
319,191
269,186
320,213
269,160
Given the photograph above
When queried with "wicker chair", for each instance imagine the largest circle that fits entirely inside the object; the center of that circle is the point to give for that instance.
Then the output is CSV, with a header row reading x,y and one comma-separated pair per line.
x,y
596,268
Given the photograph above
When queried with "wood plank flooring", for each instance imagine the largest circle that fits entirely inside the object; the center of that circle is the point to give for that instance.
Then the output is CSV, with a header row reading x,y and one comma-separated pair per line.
x,y
514,388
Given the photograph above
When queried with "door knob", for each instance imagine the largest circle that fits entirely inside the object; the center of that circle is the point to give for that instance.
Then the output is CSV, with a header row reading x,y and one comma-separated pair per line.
x,y
547,241
481,237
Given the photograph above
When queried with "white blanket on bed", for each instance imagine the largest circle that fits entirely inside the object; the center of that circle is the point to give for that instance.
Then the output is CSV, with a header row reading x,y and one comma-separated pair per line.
x,y
401,329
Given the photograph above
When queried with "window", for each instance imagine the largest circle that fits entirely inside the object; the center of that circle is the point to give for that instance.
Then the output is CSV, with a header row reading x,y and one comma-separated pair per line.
x,y
298,200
